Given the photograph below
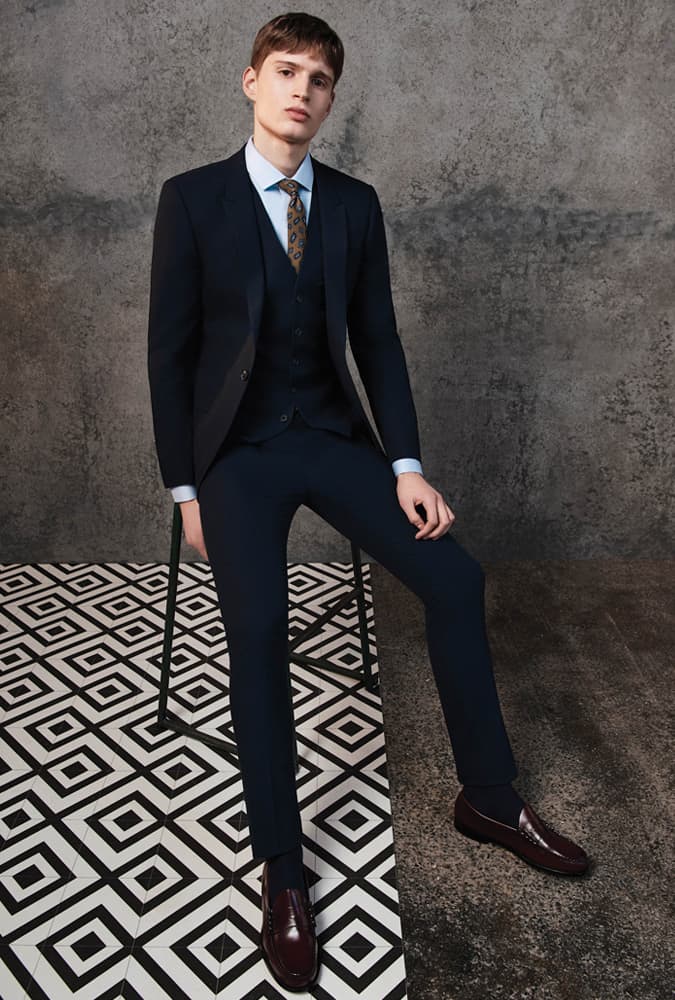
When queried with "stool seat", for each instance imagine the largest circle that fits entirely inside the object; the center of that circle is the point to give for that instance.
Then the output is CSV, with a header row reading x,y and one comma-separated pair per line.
x,y
356,592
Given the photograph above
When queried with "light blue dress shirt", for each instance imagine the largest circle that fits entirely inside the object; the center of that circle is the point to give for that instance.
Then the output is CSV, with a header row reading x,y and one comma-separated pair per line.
x,y
265,177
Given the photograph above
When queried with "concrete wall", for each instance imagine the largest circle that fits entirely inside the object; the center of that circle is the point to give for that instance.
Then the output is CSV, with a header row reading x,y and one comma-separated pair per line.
x,y
524,159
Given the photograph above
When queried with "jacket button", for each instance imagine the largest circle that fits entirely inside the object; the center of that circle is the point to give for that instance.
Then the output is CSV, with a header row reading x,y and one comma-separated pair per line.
x,y
298,298
283,417
243,375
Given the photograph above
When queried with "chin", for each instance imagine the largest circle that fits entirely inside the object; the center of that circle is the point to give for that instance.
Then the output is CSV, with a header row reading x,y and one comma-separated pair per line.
x,y
299,131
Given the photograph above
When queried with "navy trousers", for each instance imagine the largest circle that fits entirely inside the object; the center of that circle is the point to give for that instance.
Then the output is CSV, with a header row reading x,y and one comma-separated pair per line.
x,y
247,502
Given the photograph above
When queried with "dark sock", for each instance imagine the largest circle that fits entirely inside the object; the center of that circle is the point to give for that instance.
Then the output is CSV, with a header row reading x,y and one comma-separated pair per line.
x,y
500,802
285,871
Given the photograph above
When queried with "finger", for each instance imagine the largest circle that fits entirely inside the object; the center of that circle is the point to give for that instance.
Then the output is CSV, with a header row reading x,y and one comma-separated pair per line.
x,y
421,522
432,519
442,519
412,514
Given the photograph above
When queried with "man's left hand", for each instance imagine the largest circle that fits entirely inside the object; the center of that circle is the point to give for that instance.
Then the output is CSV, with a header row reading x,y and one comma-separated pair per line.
x,y
412,489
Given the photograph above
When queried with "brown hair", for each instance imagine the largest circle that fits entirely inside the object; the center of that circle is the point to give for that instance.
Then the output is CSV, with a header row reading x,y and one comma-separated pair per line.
x,y
295,33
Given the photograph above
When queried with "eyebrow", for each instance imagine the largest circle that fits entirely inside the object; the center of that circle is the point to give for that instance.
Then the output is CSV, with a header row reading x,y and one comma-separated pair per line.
x,y
318,72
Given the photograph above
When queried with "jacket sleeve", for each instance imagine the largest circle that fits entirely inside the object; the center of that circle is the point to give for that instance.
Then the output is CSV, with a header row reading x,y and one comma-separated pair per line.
x,y
376,345
174,330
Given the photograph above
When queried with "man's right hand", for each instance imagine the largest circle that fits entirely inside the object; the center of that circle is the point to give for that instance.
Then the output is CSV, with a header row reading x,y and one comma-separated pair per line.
x,y
192,526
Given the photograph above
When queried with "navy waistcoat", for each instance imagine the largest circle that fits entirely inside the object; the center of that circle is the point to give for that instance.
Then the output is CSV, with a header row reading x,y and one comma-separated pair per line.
x,y
293,368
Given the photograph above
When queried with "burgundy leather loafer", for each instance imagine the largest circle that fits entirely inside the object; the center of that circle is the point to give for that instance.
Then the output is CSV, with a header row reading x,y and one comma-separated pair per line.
x,y
534,841
288,937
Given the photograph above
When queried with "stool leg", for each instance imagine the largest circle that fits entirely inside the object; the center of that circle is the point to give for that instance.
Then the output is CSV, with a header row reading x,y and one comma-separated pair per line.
x,y
170,615
363,619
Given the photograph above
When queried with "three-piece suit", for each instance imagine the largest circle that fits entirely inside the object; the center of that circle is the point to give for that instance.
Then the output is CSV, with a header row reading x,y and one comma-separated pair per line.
x,y
253,403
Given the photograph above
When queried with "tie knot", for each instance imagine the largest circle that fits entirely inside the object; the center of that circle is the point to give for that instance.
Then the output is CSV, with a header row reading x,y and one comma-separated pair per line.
x,y
289,186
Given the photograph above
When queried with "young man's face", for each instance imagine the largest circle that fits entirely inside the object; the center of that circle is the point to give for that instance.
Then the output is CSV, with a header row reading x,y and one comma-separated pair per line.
x,y
285,82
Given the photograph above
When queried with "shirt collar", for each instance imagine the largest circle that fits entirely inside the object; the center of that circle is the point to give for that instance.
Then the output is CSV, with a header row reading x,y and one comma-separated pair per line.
x,y
266,175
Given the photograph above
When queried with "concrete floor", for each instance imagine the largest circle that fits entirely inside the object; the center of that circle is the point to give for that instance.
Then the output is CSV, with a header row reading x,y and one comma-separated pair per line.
x,y
583,655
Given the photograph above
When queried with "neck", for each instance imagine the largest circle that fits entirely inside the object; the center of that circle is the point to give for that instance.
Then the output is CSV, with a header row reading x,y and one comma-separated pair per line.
x,y
286,156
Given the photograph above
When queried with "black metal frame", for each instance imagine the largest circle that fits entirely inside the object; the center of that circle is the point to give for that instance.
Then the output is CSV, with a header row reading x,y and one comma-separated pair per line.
x,y
165,719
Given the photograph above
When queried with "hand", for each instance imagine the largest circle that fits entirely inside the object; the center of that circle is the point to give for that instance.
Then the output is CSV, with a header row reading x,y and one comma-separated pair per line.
x,y
412,489
192,526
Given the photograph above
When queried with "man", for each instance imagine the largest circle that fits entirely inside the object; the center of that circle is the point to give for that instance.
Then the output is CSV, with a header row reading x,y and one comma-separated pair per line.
x,y
261,262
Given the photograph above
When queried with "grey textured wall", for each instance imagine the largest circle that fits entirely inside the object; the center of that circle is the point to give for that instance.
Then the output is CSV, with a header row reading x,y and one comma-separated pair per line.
x,y
523,156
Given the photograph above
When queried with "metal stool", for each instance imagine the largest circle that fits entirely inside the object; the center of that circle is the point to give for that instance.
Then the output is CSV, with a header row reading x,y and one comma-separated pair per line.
x,y
165,719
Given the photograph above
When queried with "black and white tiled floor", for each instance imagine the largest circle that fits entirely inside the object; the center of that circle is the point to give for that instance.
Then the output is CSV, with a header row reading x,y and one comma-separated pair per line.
x,y
125,861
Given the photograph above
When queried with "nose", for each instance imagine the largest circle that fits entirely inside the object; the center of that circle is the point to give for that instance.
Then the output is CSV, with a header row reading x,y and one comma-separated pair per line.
x,y
302,87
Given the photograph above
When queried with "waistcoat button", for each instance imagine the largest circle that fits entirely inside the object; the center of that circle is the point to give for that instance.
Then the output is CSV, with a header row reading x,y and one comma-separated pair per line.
x,y
243,374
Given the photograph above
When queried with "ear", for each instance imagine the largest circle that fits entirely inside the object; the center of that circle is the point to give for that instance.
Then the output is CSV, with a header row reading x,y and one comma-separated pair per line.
x,y
248,82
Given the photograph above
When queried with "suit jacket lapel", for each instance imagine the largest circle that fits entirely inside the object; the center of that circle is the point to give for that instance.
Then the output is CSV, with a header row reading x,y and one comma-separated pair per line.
x,y
334,241
237,200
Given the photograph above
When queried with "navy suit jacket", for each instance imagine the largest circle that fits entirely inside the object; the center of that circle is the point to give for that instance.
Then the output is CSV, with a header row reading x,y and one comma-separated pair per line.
x,y
206,299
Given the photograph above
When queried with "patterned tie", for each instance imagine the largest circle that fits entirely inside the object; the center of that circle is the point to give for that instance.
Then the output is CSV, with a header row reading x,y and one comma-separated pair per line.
x,y
297,226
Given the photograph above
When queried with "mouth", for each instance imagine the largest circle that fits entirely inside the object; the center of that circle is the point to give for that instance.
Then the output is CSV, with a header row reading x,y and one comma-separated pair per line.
x,y
298,114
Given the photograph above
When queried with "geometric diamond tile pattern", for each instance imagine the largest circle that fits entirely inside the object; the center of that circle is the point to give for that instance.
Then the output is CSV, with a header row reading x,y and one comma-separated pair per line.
x,y
125,868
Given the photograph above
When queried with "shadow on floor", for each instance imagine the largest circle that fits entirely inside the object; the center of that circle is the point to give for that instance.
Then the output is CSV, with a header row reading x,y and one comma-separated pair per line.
x,y
583,657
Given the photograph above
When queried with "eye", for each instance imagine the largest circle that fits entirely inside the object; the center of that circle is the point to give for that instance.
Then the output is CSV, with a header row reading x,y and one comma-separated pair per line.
x,y
320,81
285,70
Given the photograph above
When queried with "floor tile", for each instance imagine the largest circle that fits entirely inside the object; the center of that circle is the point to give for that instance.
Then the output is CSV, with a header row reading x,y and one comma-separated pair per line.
x,y
125,854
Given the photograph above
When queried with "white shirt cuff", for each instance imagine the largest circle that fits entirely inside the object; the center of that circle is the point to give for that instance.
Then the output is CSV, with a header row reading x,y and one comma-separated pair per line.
x,y
406,465
182,493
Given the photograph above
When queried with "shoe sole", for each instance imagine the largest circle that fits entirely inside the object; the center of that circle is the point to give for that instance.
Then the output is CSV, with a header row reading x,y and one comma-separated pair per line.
x,y
482,839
